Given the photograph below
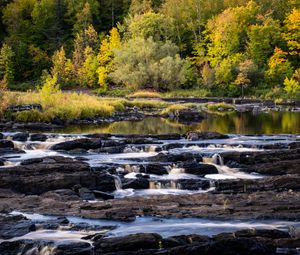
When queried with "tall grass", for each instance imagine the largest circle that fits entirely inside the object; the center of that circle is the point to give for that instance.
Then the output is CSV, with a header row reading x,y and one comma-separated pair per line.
x,y
145,94
63,106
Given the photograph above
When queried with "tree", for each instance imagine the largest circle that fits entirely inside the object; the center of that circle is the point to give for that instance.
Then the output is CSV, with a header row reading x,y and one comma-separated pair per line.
x,y
145,63
227,33
106,55
263,38
292,87
6,64
292,32
62,68
158,26
88,38
248,72
279,68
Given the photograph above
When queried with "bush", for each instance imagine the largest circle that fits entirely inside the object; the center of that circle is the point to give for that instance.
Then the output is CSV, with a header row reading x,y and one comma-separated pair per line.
x,y
142,64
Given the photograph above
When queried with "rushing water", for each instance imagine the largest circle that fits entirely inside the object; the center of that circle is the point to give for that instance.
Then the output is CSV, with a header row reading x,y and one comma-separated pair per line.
x,y
233,123
164,227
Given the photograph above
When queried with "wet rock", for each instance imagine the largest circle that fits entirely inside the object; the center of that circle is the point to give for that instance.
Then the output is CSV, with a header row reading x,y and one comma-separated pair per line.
x,y
79,248
242,246
186,116
174,158
6,144
83,143
102,195
134,242
53,173
266,233
111,150
2,162
198,168
1,136
140,183
86,194
38,137
157,169
20,137
14,226
196,136
99,136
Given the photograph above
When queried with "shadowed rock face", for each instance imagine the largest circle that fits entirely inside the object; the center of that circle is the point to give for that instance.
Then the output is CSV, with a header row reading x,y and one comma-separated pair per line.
x,y
36,176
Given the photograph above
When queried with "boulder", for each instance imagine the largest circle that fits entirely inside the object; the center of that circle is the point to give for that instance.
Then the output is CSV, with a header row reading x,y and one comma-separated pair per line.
x,y
83,143
157,169
196,136
38,137
86,194
6,144
20,137
192,167
139,183
133,242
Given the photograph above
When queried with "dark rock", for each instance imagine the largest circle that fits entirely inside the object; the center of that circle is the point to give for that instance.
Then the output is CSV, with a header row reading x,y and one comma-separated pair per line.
x,y
112,150
6,144
4,151
195,136
53,173
24,107
80,248
20,137
157,169
134,242
86,194
188,116
174,158
14,226
83,143
1,136
242,246
140,183
267,233
38,137
102,195
198,168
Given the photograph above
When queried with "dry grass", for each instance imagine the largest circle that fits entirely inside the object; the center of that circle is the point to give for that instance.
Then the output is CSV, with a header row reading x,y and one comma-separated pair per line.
x,y
145,94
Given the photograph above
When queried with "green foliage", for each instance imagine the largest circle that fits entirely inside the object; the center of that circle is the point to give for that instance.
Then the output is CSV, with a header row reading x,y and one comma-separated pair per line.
x,y
6,63
141,63
155,25
278,68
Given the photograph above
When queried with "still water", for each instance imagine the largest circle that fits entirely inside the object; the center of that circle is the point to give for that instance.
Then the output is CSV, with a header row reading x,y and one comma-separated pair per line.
x,y
233,123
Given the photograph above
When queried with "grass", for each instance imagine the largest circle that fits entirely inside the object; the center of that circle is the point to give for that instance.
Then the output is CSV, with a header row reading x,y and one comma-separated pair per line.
x,y
220,107
176,107
188,93
145,94
62,106
147,104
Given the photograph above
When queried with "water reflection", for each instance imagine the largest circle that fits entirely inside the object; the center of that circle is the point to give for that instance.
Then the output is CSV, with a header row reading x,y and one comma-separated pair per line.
x,y
234,123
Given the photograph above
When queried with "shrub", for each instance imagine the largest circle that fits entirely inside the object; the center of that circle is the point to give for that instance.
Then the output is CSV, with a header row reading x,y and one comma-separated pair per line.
x,y
142,63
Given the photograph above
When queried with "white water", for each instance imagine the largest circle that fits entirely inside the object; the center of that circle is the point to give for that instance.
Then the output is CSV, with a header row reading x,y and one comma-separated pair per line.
x,y
164,227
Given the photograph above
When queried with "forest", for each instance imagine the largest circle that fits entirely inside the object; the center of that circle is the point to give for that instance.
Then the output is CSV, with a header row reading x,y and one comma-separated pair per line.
x,y
208,47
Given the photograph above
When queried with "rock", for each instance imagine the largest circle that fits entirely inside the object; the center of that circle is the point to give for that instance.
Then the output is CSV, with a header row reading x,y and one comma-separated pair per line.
x,y
1,136
38,137
133,242
188,116
174,158
157,169
83,143
79,248
36,176
6,144
139,183
198,168
266,233
24,107
2,162
20,137
14,226
102,195
242,246
86,194
4,151
196,136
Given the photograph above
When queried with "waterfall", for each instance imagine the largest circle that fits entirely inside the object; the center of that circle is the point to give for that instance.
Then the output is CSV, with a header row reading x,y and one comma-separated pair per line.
x,y
217,159
118,182
176,170
38,250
